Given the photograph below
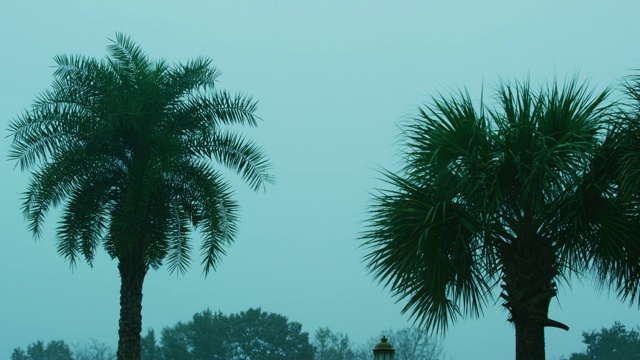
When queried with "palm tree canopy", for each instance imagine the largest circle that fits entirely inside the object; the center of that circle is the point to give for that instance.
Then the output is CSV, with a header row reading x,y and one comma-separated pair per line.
x,y
617,264
127,146
482,186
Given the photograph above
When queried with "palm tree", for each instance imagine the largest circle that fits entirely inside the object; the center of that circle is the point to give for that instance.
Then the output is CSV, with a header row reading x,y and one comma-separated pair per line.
x,y
127,147
510,196
618,267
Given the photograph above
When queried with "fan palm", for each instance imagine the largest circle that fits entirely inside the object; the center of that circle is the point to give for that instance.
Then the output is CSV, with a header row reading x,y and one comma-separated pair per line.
x,y
618,267
511,195
127,147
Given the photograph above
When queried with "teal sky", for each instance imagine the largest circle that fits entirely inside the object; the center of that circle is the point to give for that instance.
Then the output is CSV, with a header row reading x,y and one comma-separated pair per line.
x,y
334,78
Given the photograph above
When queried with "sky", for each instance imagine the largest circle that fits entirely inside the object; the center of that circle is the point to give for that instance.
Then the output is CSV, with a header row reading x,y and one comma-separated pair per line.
x,y
333,80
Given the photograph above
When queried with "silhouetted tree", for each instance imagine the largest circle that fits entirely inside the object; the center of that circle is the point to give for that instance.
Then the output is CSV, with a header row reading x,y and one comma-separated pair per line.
x,y
204,337
615,343
19,354
251,334
330,345
410,344
54,350
176,344
127,147
513,195
93,350
413,344
149,348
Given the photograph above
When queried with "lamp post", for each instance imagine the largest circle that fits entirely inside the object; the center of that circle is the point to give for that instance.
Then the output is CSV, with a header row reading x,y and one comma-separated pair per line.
x,y
384,350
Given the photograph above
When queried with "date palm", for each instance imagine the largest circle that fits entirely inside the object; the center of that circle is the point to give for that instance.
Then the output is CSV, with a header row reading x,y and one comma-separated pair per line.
x,y
508,196
128,148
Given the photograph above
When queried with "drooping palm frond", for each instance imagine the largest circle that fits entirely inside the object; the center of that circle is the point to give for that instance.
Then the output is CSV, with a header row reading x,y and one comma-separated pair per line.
x,y
423,239
198,73
428,250
219,108
238,154
178,249
85,217
48,187
37,135
207,202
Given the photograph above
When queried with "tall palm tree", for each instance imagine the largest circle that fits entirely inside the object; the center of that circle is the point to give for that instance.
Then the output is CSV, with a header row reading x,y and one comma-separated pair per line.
x,y
510,195
127,147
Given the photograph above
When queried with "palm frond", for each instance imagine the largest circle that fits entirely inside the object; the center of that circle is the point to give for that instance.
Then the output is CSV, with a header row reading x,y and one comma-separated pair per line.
x,y
196,74
616,254
206,201
46,190
127,59
85,218
428,251
238,154
179,247
219,228
222,108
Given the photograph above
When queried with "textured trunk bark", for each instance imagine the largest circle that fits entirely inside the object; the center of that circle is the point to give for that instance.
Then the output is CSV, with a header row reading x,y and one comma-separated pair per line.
x,y
529,340
130,325
529,269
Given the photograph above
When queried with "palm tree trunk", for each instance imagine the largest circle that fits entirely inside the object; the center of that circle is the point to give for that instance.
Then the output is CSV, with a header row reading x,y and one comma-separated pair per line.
x,y
529,269
529,340
130,326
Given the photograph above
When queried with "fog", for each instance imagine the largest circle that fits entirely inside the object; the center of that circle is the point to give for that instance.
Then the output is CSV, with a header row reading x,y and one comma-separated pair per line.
x,y
333,80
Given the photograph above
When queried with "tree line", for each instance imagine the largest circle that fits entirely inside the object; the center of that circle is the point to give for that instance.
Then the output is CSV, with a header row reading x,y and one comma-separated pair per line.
x,y
251,334
614,343
532,188
255,334
204,337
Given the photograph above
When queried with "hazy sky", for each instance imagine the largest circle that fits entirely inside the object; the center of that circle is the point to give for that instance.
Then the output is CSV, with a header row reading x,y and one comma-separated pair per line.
x,y
333,78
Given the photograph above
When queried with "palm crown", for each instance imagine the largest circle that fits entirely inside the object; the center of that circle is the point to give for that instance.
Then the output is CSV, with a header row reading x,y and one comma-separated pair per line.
x,y
497,196
126,144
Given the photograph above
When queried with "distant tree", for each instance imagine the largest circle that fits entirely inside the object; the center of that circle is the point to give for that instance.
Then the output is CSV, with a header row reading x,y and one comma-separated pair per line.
x,y
363,351
149,348
410,344
206,336
330,345
615,343
251,334
58,350
515,196
19,354
130,149
260,335
413,344
55,350
94,350
176,344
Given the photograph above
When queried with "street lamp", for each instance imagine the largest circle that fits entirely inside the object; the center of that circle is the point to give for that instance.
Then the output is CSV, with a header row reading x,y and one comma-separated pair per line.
x,y
383,351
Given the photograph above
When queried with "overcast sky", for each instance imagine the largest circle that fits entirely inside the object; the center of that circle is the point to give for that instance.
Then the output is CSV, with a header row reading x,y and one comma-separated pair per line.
x,y
333,80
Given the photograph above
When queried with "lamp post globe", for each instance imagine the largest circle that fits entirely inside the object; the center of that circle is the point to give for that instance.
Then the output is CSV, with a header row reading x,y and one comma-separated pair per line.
x,y
384,350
